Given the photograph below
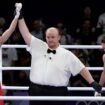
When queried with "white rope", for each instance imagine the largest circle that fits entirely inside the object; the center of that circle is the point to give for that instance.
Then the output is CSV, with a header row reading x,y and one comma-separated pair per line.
x,y
15,68
14,46
82,89
65,46
53,98
82,46
95,68
28,68
15,87
69,88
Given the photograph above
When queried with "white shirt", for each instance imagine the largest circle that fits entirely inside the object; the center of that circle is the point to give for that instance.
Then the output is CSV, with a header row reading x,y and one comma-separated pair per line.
x,y
52,69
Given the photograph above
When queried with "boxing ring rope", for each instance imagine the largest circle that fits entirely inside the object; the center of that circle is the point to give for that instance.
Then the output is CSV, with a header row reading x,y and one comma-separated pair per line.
x,y
28,68
53,98
69,88
49,98
65,46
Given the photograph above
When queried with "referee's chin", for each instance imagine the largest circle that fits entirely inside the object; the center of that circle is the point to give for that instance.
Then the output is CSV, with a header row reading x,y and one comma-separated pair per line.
x,y
53,45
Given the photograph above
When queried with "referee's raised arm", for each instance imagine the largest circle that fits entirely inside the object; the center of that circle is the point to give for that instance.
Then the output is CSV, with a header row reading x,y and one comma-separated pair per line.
x,y
24,29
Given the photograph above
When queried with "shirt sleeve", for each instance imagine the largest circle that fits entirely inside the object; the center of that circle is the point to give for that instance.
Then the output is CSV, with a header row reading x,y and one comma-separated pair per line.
x,y
37,45
75,65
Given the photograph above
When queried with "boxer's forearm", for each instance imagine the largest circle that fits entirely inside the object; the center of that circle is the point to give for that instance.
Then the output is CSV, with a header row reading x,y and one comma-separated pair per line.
x,y
24,31
8,32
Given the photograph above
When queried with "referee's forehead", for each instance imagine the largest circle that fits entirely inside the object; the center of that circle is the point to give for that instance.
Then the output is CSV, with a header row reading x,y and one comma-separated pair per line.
x,y
52,30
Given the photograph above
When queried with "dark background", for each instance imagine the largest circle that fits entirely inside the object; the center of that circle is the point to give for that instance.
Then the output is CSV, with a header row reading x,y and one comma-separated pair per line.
x,y
52,11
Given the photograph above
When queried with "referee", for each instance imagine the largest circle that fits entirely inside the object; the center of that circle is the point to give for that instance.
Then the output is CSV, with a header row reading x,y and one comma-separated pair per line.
x,y
51,66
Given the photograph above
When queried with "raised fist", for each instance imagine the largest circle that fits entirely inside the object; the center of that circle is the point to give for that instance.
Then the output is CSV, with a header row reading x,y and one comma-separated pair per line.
x,y
18,7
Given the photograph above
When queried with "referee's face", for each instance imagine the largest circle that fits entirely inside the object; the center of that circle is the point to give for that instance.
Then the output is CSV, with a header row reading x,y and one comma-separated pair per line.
x,y
52,37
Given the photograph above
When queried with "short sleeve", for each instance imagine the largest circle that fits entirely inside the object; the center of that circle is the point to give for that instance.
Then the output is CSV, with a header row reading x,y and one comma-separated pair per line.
x,y
36,45
75,65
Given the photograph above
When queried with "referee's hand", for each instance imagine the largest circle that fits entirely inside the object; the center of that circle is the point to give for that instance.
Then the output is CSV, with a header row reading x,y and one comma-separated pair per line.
x,y
97,87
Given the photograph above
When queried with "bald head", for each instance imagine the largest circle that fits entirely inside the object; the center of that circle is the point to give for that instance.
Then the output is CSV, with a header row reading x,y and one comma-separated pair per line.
x,y
52,30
